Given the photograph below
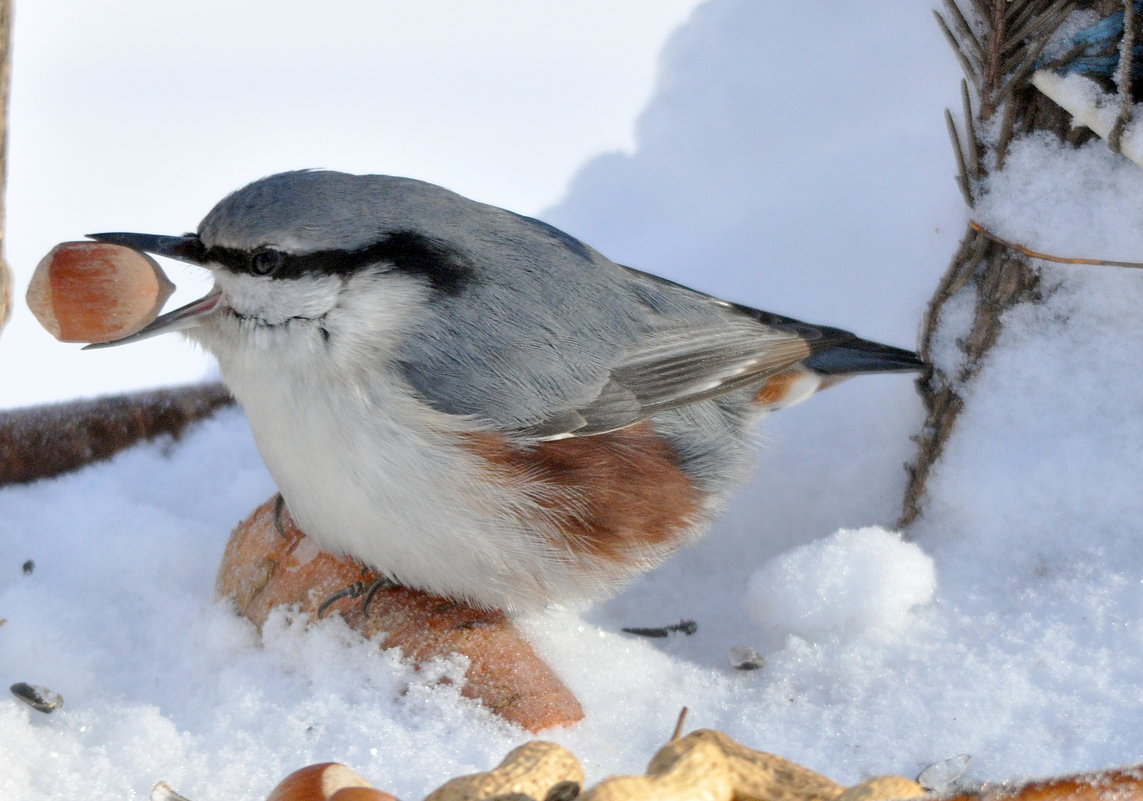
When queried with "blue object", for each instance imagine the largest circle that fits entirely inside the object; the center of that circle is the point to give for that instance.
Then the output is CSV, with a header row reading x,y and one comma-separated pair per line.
x,y
1094,52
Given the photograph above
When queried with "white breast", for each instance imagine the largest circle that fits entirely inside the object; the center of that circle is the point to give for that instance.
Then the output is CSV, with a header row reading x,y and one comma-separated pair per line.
x,y
370,471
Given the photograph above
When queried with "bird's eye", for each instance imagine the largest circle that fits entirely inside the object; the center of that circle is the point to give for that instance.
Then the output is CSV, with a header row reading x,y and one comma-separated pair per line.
x,y
265,262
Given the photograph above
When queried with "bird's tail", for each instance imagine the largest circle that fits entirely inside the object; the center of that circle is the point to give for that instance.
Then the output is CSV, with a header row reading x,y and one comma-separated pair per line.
x,y
840,353
837,355
862,356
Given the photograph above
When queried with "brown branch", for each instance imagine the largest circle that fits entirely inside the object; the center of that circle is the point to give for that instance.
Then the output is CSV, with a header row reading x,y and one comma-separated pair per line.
x,y
45,441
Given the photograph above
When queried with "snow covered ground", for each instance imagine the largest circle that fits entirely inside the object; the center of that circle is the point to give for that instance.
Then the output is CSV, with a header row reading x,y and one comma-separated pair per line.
x,y
793,158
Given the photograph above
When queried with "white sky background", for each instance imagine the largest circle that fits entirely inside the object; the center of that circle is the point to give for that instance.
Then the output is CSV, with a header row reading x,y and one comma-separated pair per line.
x,y
140,116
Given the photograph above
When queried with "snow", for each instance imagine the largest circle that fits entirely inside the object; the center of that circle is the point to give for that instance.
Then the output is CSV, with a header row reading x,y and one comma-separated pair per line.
x,y
1090,107
851,583
784,162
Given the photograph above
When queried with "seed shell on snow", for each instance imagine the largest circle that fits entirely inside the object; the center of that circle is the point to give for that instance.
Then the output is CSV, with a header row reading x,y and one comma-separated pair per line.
x,y
40,699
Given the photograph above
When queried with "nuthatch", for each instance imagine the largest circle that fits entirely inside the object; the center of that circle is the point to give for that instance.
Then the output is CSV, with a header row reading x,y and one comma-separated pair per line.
x,y
473,402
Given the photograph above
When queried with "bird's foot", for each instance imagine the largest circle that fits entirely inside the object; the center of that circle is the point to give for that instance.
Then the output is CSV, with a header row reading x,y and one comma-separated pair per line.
x,y
358,589
276,514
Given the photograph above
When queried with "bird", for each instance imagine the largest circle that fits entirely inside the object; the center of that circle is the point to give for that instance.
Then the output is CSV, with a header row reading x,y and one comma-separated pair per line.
x,y
473,402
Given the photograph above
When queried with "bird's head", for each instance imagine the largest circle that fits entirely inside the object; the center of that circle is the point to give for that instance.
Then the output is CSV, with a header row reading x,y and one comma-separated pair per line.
x,y
316,254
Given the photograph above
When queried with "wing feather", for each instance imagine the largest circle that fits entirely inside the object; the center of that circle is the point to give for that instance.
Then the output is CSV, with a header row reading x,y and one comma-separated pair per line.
x,y
677,364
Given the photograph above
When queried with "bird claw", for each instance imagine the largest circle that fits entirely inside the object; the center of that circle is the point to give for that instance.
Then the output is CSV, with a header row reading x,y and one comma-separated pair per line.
x,y
276,514
356,590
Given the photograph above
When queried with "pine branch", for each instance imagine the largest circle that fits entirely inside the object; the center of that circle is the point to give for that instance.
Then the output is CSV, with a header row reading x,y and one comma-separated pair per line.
x,y
997,43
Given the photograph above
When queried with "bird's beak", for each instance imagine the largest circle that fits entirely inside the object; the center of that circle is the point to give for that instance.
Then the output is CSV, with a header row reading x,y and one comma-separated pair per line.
x,y
187,248
182,248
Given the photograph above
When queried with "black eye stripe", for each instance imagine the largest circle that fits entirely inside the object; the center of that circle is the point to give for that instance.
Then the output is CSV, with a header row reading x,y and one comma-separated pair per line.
x,y
266,262
443,267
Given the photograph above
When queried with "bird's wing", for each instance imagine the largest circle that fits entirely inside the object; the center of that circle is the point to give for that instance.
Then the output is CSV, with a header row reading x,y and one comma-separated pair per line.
x,y
566,344
680,364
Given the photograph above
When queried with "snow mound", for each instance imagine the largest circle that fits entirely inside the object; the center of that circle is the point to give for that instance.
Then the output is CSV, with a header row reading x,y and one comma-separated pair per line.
x,y
852,582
